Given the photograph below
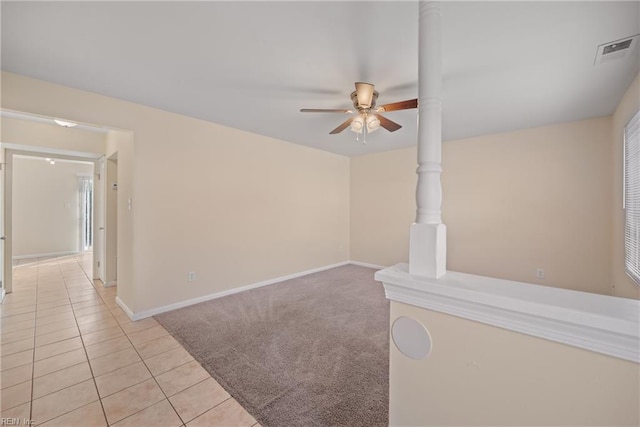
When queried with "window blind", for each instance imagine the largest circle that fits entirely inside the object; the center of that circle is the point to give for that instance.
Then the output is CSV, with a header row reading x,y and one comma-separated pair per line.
x,y
632,197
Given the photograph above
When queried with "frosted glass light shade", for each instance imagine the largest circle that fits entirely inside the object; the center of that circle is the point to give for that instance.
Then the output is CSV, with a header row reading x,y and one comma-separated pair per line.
x,y
357,124
373,123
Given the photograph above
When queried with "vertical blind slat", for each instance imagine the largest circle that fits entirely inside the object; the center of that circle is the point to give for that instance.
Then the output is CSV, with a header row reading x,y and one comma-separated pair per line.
x,y
632,197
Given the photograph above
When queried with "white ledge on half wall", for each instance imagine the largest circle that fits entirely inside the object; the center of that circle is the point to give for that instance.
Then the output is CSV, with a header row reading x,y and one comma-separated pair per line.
x,y
599,323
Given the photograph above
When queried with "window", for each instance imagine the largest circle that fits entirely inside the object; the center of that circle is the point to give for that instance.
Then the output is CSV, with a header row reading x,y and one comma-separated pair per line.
x,y
632,198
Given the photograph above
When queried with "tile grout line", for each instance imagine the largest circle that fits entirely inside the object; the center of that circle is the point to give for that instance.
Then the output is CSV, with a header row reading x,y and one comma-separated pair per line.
x,y
156,381
35,325
58,370
84,348
149,370
150,373
114,312
143,362
165,394
34,353
87,360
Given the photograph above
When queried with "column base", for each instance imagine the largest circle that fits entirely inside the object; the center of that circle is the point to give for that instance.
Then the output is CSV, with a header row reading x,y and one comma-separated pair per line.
x,y
428,250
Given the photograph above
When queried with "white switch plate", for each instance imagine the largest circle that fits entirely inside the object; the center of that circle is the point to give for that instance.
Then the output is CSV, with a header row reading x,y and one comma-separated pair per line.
x,y
191,276
540,273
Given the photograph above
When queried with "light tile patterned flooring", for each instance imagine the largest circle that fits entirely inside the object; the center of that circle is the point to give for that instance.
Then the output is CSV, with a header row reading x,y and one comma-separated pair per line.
x,y
69,356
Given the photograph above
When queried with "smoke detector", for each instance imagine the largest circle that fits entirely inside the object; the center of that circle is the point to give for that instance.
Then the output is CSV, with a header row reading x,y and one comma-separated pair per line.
x,y
615,50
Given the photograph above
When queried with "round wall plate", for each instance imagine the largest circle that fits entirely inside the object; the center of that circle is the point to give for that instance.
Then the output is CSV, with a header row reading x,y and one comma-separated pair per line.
x,y
411,338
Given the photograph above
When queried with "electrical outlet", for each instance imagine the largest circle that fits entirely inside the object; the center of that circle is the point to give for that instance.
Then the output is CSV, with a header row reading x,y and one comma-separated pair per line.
x,y
191,276
540,273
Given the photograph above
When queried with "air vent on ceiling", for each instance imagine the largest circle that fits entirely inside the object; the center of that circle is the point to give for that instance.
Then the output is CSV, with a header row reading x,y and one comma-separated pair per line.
x,y
615,50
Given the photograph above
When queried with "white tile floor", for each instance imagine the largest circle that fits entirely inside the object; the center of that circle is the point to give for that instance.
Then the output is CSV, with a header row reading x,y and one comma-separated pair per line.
x,y
69,356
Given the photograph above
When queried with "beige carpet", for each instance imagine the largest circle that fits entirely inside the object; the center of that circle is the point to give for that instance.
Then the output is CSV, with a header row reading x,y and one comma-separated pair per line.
x,y
312,351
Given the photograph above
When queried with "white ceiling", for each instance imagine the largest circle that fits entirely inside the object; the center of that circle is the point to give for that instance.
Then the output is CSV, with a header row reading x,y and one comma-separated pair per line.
x,y
253,65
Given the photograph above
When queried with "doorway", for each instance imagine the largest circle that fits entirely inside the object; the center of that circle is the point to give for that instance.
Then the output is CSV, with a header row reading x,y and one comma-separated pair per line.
x,y
49,209
86,213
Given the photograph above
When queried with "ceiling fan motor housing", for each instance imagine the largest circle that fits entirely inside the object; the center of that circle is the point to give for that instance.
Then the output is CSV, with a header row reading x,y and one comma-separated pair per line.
x,y
364,97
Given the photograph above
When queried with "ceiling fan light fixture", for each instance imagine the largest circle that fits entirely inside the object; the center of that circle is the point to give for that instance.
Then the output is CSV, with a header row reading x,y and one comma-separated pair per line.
x,y
357,124
367,119
373,123
65,123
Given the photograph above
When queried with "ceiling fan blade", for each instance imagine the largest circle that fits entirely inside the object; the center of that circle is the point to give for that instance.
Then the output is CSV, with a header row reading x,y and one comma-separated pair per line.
x,y
389,125
364,94
402,105
343,126
324,110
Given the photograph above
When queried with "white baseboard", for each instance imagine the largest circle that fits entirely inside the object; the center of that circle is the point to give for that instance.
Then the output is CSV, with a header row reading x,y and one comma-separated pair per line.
x,y
47,255
163,309
126,309
366,264
4,292
110,284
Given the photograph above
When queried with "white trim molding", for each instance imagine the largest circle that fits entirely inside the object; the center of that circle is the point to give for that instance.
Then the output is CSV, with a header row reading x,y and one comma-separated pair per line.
x,y
368,265
162,309
126,309
600,323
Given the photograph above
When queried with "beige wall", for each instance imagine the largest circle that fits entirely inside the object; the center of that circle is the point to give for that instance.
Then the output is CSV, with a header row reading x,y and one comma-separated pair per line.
x,y
120,170
46,206
383,206
512,203
629,105
482,375
234,207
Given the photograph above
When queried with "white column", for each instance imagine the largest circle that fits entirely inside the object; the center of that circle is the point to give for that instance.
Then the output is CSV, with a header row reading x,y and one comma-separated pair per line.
x,y
428,237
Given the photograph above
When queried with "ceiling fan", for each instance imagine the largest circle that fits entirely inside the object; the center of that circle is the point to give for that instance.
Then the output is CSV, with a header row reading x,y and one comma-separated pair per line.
x,y
368,118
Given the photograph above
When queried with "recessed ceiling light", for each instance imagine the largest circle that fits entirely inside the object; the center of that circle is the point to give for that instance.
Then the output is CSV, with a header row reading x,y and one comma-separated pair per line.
x,y
64,123
52,162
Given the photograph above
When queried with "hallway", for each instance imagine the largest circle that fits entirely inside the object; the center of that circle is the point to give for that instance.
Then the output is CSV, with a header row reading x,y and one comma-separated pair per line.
x,y
71,357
